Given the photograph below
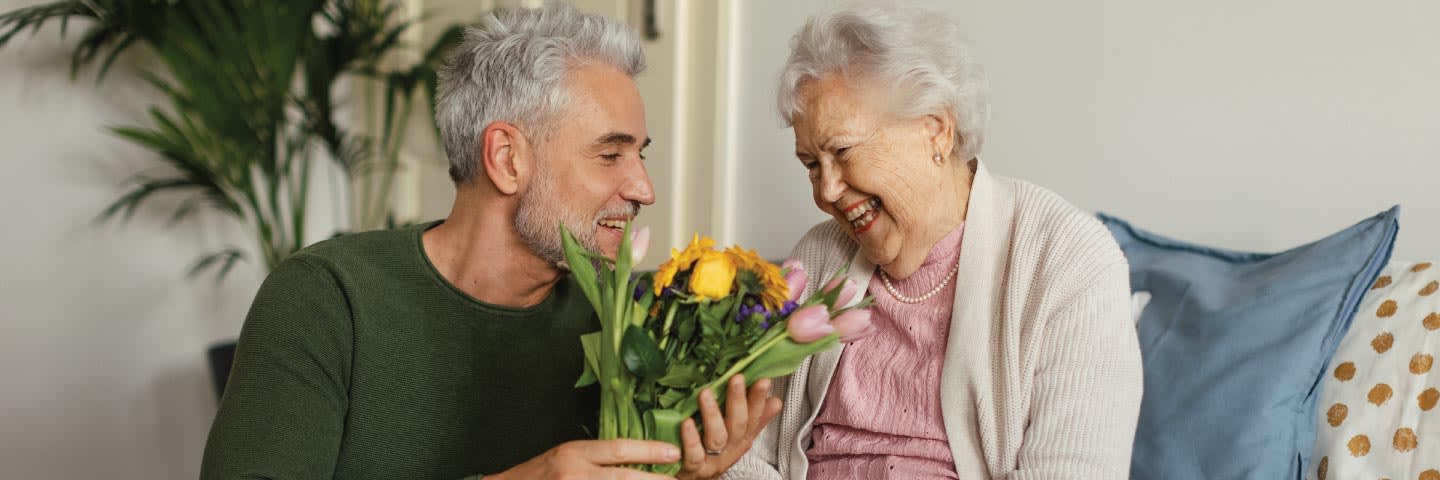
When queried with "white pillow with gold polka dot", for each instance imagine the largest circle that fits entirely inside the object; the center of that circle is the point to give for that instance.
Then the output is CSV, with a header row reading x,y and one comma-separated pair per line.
x,y
1378,413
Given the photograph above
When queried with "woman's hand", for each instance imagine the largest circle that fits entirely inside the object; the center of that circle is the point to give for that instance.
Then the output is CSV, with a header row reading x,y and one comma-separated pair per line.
x,y
727,438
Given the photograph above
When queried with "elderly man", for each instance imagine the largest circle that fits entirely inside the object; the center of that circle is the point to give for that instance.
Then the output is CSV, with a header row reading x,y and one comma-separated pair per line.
x,y
451,349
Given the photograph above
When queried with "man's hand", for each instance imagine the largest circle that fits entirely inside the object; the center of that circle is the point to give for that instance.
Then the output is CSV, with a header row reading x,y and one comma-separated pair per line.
x,y
726,438
594,459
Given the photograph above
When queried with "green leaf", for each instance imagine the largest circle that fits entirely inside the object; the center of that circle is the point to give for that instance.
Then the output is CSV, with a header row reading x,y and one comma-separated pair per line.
x,y
672,397
587,378
664,426
682,376
786,356
641,355
590,343
684,326
581,268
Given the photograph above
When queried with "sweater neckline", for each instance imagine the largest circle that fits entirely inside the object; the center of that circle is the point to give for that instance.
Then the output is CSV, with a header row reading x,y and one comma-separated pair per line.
x,y
418,244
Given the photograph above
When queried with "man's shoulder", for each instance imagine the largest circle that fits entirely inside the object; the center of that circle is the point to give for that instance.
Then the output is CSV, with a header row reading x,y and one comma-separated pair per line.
x,y
365,248
356,258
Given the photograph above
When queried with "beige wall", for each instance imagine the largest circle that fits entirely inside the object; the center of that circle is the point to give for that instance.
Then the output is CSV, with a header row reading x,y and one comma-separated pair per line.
x,y
102,336
1249,125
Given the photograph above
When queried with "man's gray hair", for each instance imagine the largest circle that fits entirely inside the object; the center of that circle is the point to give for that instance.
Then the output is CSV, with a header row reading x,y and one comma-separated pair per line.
x,y
916,55
512,67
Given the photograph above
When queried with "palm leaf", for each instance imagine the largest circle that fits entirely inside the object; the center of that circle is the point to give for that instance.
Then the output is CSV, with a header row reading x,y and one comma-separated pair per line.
x,y
226,132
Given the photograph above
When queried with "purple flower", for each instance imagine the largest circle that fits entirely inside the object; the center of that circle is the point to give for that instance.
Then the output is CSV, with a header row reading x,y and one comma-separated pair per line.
x,y
788,308
764,325
745,312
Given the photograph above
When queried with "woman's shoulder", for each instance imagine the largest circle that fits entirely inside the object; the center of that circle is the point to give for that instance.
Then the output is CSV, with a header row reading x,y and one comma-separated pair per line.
x,y
824,247
1046,225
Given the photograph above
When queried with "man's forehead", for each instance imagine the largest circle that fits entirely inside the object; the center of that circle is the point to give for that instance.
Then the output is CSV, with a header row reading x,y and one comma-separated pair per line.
x,y
606,104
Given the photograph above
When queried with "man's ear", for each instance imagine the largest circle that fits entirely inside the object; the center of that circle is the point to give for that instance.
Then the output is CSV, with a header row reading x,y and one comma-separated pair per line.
x,y
505,156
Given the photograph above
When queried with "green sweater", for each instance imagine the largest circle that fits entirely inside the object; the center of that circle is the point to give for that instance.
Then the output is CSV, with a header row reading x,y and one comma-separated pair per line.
x,y
359,360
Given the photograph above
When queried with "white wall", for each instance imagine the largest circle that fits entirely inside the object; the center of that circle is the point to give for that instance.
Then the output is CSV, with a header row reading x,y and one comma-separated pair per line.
x,y
1247,125
102,336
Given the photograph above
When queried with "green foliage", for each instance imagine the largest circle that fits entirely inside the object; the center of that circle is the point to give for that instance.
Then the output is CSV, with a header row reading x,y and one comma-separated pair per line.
x,y
250,89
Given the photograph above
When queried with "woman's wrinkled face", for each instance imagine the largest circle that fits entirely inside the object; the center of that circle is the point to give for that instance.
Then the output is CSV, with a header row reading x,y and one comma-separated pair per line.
x,y
872,173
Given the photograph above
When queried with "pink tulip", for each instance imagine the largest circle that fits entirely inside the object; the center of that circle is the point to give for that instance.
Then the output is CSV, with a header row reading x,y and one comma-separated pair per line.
x,y
796,278
639,244
850,291
854,325
809,324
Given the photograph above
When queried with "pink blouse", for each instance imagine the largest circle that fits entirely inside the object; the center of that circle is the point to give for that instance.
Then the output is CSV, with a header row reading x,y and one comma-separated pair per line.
x,y
881,417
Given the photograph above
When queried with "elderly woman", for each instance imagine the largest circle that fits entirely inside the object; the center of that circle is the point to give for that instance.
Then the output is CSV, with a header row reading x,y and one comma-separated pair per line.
x,y
1004,345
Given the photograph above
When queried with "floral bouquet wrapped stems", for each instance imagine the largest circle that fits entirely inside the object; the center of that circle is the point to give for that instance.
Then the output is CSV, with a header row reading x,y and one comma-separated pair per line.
x,y
704,317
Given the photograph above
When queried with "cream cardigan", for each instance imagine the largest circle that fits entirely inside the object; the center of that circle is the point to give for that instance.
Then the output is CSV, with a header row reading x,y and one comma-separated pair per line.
x,y
1041,378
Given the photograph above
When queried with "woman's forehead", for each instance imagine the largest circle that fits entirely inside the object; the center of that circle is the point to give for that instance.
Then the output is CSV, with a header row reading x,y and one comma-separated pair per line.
x,y
832,102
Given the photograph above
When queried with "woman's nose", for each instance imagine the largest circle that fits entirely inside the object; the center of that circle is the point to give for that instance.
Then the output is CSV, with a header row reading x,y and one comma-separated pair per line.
x,y
831,184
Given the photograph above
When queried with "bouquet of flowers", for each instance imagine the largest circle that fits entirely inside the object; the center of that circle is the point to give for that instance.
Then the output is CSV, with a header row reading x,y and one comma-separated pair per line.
x,y
703,317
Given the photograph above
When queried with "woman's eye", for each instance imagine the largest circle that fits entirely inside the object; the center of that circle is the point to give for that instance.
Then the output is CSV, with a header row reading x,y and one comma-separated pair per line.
x,y
840,152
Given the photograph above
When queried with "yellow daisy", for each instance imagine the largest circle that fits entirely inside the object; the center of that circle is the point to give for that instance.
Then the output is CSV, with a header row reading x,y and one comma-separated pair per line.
x,y
776,291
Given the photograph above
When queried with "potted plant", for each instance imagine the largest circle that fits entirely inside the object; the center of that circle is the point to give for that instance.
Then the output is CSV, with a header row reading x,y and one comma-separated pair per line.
x,y
250,111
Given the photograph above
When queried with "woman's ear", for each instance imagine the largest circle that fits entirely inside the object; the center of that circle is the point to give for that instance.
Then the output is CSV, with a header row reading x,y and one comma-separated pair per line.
x,y
504,156
940,133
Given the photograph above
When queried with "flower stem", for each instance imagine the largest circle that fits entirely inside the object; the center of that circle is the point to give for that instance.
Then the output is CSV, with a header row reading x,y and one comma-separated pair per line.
x,y
740,365
665,331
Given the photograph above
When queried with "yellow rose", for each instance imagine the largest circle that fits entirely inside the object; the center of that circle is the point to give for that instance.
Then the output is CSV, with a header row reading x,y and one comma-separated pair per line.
x,y
712,276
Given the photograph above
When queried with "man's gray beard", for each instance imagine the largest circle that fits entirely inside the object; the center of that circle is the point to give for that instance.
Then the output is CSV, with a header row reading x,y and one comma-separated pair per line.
x,y
538,220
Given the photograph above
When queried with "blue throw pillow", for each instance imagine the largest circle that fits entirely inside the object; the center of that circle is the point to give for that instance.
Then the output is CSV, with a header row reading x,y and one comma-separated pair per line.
x,y
1235,346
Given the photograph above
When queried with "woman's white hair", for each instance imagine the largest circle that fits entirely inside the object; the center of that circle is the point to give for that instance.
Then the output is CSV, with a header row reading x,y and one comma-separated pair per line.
x,y
512,67
916,54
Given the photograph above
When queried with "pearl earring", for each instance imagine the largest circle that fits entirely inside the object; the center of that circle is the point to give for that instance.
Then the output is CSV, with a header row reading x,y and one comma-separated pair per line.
x,y
938,159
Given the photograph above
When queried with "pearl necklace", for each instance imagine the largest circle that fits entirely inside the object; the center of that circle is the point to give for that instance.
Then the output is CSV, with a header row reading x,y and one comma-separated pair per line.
x,y
914,300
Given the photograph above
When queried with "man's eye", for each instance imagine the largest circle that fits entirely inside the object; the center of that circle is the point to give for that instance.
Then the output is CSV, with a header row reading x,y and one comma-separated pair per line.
x,y
840,152
614,157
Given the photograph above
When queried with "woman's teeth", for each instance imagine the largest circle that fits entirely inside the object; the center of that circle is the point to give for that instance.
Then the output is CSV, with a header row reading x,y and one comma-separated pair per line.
x,y
863,215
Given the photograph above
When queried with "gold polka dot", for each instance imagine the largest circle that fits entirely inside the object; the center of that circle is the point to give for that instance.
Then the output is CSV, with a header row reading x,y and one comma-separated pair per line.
x,y
1431,474
1430,288
1324,468
1337,414
1405,440
1421,363
1381,282
1359,445
1380,394
1428,398
1345,371
1432,321
1383,342
1420,267
1387,309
